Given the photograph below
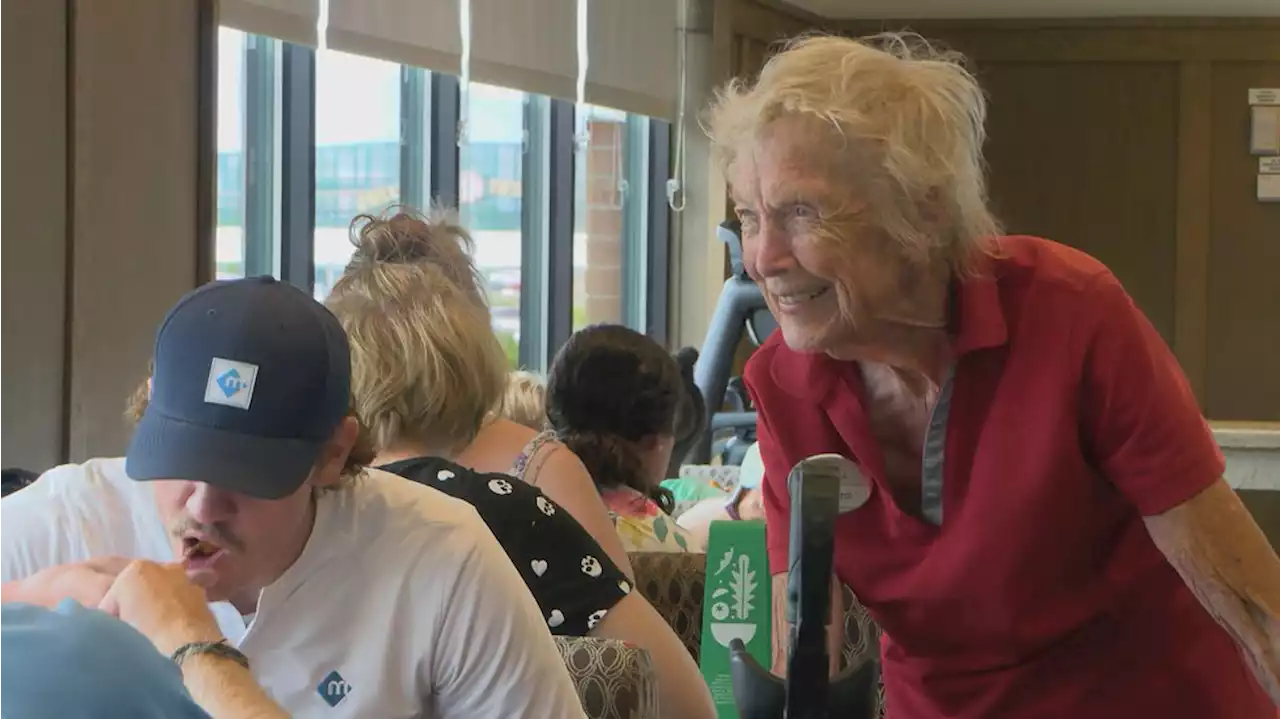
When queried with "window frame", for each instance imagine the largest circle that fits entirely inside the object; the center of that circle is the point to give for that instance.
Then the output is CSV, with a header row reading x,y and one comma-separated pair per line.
x,y
259,159
298,166
279,189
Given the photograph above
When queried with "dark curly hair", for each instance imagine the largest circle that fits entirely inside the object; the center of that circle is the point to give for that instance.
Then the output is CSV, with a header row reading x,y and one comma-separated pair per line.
x,y
609,388
15,478
691,416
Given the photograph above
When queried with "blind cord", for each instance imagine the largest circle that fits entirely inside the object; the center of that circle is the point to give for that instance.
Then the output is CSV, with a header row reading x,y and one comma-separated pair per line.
x,y
676,191
581,138
322,25
464,73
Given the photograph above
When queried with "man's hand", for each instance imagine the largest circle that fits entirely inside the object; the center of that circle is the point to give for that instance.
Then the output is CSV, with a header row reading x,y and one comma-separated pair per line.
x,y
85,582
159,601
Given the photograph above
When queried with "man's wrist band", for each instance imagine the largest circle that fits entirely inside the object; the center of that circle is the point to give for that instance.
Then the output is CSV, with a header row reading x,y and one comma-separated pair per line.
x,y
219,648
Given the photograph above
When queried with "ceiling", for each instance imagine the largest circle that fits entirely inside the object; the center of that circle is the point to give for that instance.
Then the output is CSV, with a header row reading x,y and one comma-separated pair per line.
x,y
948,9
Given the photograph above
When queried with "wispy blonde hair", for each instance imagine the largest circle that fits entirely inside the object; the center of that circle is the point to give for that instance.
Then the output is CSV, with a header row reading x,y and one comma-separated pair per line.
x,y
525,402
425,363
907,119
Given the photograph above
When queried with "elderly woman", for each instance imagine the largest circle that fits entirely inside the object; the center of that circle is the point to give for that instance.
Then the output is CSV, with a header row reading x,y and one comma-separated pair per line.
x,y
1048,533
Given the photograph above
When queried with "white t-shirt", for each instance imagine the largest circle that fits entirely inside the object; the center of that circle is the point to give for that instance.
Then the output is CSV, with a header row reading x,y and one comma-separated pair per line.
x,y
402,604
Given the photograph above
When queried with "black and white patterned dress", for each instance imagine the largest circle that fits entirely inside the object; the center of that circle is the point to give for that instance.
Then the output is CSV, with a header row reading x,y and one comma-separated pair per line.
x,y
573,580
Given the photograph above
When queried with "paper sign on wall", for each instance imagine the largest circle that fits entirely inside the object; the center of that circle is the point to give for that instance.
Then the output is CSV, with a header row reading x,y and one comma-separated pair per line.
x,y
1268,188
1265,130
1269,165
1264,96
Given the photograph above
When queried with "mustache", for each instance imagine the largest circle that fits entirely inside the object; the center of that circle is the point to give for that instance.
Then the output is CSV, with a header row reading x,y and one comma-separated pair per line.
x,y
218,534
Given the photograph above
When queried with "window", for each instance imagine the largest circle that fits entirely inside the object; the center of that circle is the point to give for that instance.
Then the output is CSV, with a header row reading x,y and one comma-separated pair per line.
x,y
247,230
357,136
309,139
490,193
229,242
610,194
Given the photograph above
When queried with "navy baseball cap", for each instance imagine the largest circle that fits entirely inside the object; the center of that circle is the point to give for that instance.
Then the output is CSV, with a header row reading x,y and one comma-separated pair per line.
x,y
252,377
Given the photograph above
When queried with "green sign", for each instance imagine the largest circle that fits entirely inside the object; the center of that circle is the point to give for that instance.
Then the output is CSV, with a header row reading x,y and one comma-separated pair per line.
x,y
737,605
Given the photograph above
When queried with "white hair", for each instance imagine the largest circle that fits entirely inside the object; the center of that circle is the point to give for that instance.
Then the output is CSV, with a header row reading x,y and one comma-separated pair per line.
x,y
908,116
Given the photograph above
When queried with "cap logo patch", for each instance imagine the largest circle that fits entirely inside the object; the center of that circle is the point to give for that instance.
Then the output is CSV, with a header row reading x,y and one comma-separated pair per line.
x,y
230,383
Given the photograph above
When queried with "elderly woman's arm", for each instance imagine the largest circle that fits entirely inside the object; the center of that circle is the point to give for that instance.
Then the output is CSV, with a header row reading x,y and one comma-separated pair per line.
x,y
1144,429
1231,568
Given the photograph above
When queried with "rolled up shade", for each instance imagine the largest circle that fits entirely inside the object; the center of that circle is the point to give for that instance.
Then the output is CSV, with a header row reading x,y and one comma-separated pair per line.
x,y
528,45
633,47
291,20
421,33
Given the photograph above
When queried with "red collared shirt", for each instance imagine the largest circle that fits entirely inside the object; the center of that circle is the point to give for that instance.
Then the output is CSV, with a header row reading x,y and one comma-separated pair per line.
x,y
1030,587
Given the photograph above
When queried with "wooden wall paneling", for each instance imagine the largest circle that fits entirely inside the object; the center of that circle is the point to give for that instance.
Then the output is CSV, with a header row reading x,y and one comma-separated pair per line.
x,y
1244,265
1085,154
135,75
767,22
35,287
752,54
1097,41
1191,282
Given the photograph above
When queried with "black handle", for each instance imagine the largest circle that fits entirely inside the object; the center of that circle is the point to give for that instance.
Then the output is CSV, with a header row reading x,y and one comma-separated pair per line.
x,y
814,486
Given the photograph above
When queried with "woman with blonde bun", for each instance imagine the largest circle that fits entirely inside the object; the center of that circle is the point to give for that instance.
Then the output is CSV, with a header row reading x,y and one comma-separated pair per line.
x,y
428,378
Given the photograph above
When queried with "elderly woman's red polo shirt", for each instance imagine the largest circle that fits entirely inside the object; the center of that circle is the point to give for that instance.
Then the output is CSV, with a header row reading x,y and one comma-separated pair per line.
x,y
1030,587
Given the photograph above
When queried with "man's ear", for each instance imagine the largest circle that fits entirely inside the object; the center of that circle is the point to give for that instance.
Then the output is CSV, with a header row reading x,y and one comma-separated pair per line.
x,y
333,458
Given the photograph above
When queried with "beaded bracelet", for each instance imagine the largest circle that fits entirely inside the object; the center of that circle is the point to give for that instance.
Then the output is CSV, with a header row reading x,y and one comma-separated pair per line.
x,y
219,648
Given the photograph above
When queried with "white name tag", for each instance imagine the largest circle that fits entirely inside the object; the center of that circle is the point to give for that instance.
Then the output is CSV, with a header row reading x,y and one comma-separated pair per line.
x,y
855,489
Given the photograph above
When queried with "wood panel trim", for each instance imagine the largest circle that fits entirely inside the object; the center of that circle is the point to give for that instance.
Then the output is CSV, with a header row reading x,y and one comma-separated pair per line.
x,y
1194,224
811,19
724,17
1098,42
768,24
1023,24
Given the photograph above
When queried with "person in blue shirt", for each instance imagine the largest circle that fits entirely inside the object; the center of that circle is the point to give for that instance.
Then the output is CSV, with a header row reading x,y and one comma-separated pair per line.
x,y
72,662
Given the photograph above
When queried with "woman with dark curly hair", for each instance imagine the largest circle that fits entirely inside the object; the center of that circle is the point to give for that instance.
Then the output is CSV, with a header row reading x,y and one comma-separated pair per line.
x,y
613,397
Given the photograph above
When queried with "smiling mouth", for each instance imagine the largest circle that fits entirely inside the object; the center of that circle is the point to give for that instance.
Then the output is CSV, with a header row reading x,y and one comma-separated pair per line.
x,y
797,298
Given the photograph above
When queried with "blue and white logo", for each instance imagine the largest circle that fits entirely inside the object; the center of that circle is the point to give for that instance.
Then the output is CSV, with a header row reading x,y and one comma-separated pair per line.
x,y
230,383
334,689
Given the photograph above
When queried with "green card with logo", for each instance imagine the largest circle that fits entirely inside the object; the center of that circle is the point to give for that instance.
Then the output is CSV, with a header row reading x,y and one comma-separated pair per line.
x,y
737,605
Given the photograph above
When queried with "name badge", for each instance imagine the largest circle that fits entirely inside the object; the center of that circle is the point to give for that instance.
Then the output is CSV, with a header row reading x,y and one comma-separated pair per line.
x,y
855,488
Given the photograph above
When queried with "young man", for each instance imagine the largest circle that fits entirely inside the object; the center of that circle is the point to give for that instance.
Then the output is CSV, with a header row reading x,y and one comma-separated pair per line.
x,y
351,591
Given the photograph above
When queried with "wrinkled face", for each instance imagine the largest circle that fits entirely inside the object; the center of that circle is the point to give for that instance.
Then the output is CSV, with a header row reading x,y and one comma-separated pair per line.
x,y
825,272
232,544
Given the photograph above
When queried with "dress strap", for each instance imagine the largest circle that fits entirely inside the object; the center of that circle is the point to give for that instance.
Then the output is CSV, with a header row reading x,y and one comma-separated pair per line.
x,y
535,445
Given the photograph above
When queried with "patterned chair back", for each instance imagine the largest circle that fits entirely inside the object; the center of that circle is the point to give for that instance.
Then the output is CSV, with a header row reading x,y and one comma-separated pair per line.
x,y
615,680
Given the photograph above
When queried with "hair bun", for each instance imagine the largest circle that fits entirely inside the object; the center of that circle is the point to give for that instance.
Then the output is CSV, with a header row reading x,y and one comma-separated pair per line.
x,y
405,236
687,358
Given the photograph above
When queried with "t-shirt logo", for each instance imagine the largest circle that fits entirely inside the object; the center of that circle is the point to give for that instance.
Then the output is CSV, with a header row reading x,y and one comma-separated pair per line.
x,y
230,383
334,689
